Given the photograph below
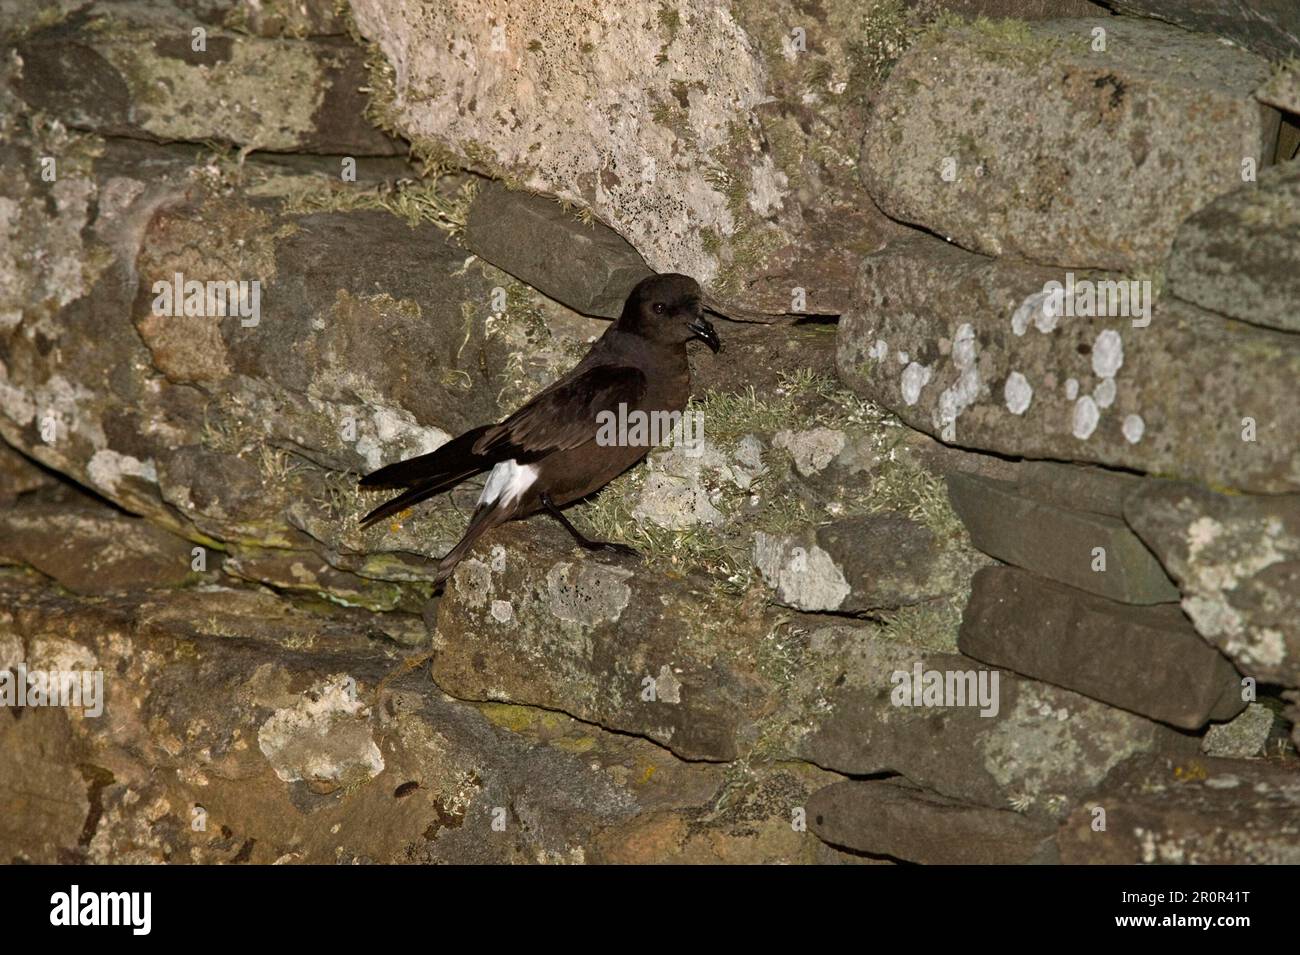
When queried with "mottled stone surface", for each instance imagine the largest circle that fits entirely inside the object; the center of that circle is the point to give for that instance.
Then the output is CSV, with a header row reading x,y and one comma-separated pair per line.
x,y
90,549
1015,145
887,818
696,130
549,626
1269,27
1237,562
1059,542
1148,660
239,728
133,71
942,334
1244,736
1040,750
1198,811
1240,255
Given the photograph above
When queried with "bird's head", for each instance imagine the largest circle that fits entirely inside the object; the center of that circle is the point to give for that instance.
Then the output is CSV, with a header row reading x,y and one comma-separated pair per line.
x,y
668,308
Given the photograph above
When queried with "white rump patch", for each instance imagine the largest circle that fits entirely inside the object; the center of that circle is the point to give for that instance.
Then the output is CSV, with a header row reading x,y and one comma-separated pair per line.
x,y
507,483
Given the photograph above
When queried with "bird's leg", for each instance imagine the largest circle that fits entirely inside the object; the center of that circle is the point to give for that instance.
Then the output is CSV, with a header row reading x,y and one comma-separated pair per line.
x,y
584,542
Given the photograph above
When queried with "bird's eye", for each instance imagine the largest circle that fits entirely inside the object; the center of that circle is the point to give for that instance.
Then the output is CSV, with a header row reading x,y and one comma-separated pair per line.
x,y
659,308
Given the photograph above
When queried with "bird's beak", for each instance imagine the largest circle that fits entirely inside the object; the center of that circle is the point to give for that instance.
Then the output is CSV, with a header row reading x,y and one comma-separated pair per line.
x,y
705,333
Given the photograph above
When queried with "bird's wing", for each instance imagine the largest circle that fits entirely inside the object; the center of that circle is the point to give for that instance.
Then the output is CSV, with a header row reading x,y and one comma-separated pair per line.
x,y
564,415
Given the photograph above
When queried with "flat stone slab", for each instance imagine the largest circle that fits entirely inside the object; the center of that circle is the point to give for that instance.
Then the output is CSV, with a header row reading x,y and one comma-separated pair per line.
x,y
542,623
1148,660
959,346
1041,749
136,74
588,267
1013,138
1237,562
91,549
1269,27
891,819
1058,542
1197,811
1240,255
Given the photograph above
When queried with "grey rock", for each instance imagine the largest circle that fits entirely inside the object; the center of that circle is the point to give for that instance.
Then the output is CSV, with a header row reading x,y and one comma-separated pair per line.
x,y
891,819
1197,811
1240,255
588,267
524,621
1148,660
733,166
91,549
1242,737
1058,542
1237,562
1171,397
1041,129
1269,27
135,73
1039,749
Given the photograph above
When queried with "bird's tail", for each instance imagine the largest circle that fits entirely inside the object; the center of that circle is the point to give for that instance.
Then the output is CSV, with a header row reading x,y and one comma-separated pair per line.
x,y
428,474
486,516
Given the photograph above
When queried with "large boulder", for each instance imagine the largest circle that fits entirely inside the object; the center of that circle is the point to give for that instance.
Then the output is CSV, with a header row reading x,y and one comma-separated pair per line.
x,y
716,138
140,70
1237,562
1026,138
970,350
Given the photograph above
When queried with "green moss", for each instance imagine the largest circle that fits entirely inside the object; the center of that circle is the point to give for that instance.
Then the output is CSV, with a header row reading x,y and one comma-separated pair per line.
x,y
887,31
442,202
930,626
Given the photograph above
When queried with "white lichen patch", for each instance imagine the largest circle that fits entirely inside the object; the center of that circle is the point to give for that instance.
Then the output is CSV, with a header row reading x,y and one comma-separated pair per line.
x,y
502,611
388,433
1107,353
108,467
1071,388
324,737
588,594
1104,393
1018,393
960,395
803,577
1134,427
1085,419
668,689
1033,309
915,377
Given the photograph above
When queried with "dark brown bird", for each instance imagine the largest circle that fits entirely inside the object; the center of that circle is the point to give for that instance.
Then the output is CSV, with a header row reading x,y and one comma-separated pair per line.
x,y
545,455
